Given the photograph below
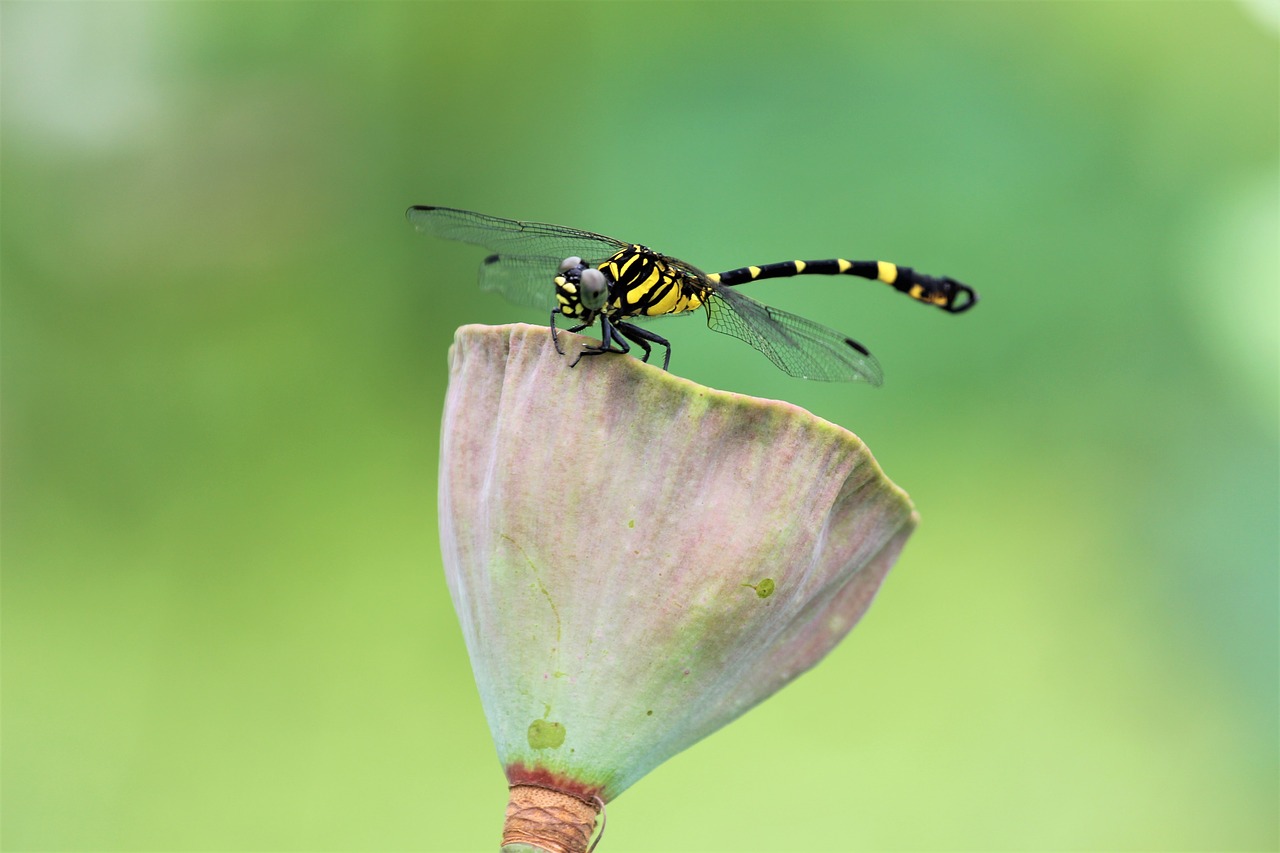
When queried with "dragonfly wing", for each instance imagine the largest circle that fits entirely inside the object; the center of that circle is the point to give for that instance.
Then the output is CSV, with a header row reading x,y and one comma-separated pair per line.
x,y
512,237
800,347
523,279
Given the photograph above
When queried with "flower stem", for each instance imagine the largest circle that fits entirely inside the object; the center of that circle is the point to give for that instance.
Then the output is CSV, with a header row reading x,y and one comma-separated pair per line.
x,y
542,819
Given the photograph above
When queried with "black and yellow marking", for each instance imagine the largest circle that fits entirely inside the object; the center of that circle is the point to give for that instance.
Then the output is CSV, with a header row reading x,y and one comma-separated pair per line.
x,y
946,293
644,284
625,281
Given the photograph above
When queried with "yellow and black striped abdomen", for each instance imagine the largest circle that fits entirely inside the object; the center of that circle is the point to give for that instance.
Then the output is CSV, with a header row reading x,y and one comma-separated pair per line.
x,y
942,292
785,269
646,285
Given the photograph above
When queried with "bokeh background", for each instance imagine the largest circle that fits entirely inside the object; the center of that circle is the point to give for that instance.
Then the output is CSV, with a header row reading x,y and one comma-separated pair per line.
x,y
225,625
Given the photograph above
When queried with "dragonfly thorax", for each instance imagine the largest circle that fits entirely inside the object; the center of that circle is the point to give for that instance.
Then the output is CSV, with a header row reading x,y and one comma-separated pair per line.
x,y
646,283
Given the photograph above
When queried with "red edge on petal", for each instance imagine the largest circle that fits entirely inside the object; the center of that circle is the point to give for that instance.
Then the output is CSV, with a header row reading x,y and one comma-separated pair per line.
x,y
522,774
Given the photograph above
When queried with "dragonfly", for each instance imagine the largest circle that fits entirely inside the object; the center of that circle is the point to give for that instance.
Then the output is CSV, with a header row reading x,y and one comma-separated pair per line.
x,y
588,278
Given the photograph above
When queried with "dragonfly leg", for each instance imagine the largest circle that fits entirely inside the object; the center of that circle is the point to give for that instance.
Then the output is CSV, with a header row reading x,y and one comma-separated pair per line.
x,y
555,340
608,336
643,338
554,329
626,330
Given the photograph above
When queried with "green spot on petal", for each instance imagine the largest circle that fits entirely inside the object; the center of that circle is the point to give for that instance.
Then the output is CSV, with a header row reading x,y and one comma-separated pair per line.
x,y
545,735
764,589
631,523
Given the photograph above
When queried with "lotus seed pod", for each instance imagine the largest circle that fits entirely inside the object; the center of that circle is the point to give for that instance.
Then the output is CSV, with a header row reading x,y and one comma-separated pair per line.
x,y
636,560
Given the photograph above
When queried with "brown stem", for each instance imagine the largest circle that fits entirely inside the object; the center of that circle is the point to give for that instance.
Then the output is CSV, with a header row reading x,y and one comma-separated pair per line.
x,y
548,820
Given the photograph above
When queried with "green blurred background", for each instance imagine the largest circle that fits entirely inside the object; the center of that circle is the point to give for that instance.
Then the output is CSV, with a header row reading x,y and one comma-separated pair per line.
x,y
225,625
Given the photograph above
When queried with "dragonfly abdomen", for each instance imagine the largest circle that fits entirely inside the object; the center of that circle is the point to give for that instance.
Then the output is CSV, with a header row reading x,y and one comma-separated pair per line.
x,y
942,292
786,269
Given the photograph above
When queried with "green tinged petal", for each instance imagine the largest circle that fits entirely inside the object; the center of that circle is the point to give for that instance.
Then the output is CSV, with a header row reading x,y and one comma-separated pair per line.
x,y
635,559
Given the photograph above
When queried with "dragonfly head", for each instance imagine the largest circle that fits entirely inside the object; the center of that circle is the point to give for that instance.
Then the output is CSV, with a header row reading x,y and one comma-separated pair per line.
x,y
581,289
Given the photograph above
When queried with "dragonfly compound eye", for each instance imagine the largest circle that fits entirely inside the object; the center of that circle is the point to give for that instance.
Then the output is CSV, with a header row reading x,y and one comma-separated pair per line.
x,y
570,262
594,289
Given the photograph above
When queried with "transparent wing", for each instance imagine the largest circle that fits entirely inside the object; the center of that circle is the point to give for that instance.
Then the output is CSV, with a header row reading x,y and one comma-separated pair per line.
x,y
510,237
800,347
524,279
